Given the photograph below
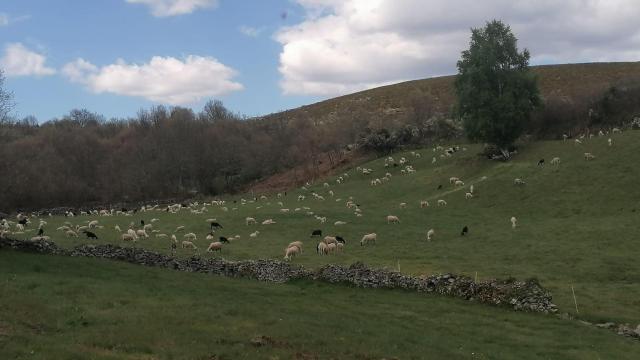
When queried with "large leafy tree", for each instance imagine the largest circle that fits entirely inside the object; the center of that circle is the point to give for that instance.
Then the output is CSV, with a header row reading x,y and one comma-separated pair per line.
x,y
495,89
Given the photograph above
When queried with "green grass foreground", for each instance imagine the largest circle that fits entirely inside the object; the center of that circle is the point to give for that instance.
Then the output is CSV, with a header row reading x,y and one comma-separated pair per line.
x,y
54,307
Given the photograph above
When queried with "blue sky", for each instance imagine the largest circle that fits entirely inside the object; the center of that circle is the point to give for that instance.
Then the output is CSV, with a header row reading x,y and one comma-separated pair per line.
x,y
102,31
115,57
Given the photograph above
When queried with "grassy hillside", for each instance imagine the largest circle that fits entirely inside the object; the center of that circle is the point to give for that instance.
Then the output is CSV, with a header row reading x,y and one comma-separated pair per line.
x,y
577,222
72,308
393,103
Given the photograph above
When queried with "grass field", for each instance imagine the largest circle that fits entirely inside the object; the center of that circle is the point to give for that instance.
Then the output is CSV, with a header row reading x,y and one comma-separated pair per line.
x,y
577,222
78,308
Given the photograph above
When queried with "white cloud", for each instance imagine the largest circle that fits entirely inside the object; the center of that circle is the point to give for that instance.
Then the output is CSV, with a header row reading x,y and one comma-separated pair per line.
x,y
163,8
164,80
20,61
250,31
350,45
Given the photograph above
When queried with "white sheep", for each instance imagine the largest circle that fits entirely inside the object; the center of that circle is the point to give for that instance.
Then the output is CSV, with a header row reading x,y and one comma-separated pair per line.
x,y
555,161
190,236
578,142
430,234
610,141
453,179
338,223
117,228
214,246
179,228
254,234
71,233
392,219
403,205
424,204
189,244
459,183
442,202
330,240
291,251
321,248
514,221
468,196
128,237
93,224
518,181
250,221
589,156
471,188
142,233
296,243
368,238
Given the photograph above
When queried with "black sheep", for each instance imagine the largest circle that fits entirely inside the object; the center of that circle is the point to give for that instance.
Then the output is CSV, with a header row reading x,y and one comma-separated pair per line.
x,y
40,232
340,239
90,235
316,233
215,225
223,239
440,187
465,230
541,162
22,221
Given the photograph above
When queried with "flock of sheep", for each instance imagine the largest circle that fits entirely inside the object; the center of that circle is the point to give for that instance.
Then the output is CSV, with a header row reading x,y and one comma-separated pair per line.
x,y
329,245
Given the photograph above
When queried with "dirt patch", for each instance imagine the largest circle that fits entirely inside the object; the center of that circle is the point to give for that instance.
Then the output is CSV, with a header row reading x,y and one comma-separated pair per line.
x,y
299,175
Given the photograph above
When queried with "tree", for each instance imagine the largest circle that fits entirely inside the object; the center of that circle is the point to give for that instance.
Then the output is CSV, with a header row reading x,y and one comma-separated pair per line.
x,y
496,91
6,100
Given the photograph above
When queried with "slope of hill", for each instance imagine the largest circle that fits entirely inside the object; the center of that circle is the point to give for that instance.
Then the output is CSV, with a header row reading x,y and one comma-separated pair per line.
x,y
394,103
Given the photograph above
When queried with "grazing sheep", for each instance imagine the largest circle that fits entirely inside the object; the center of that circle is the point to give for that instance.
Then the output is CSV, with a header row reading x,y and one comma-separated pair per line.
x,y
565,137
268,222
291,251
161,236
148,227
368,238
316,233
430,234
392,219
254,234
518,181
179,228
128,237
616,130
453,179
117,228
338,223
589,156
403,205
330,240
555,161
339,247
610,141
513,222
142,233
340,239
321,248
442,203
210,237
471,188
331,248
90,235
214,246
223,240
214,225
296,243
459,183
71,233
468,195
189,244
250,221
93,224
465,231
190,236
578,142
424,204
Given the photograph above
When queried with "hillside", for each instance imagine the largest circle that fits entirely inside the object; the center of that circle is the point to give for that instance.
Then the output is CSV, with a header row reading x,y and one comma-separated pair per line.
x,y
394,103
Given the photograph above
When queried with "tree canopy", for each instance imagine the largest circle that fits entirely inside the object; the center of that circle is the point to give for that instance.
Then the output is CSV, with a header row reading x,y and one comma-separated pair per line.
x,y
496,92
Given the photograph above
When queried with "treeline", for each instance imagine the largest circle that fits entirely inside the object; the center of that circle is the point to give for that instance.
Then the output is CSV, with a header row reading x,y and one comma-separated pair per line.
x,y
162,152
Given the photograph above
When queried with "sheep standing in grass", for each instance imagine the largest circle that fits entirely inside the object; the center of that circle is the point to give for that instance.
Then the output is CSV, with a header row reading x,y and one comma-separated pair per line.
x,y
518,181
291,251
403,205
393,219
142,234
424,204
589,156
128,237
578,142
117,228
188,244
471,188
254,234
321,248
468,196
214,246
610,141
555,161
430,234
368,238
296,243
514,222
453,179
71,233
459,183
250,221
190,236
338,223
442,203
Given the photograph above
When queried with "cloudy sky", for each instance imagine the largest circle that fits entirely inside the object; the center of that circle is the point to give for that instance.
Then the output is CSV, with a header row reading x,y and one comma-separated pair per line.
x,y
260,56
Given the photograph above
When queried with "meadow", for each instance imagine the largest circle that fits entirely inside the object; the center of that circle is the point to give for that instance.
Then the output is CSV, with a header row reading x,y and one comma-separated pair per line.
x,y
577,227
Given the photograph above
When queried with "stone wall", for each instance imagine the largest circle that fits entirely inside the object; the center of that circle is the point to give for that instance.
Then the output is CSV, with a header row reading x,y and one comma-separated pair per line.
x,y
519,295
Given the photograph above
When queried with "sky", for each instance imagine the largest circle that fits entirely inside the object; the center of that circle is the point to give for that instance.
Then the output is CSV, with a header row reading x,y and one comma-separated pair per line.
x,y
115,57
